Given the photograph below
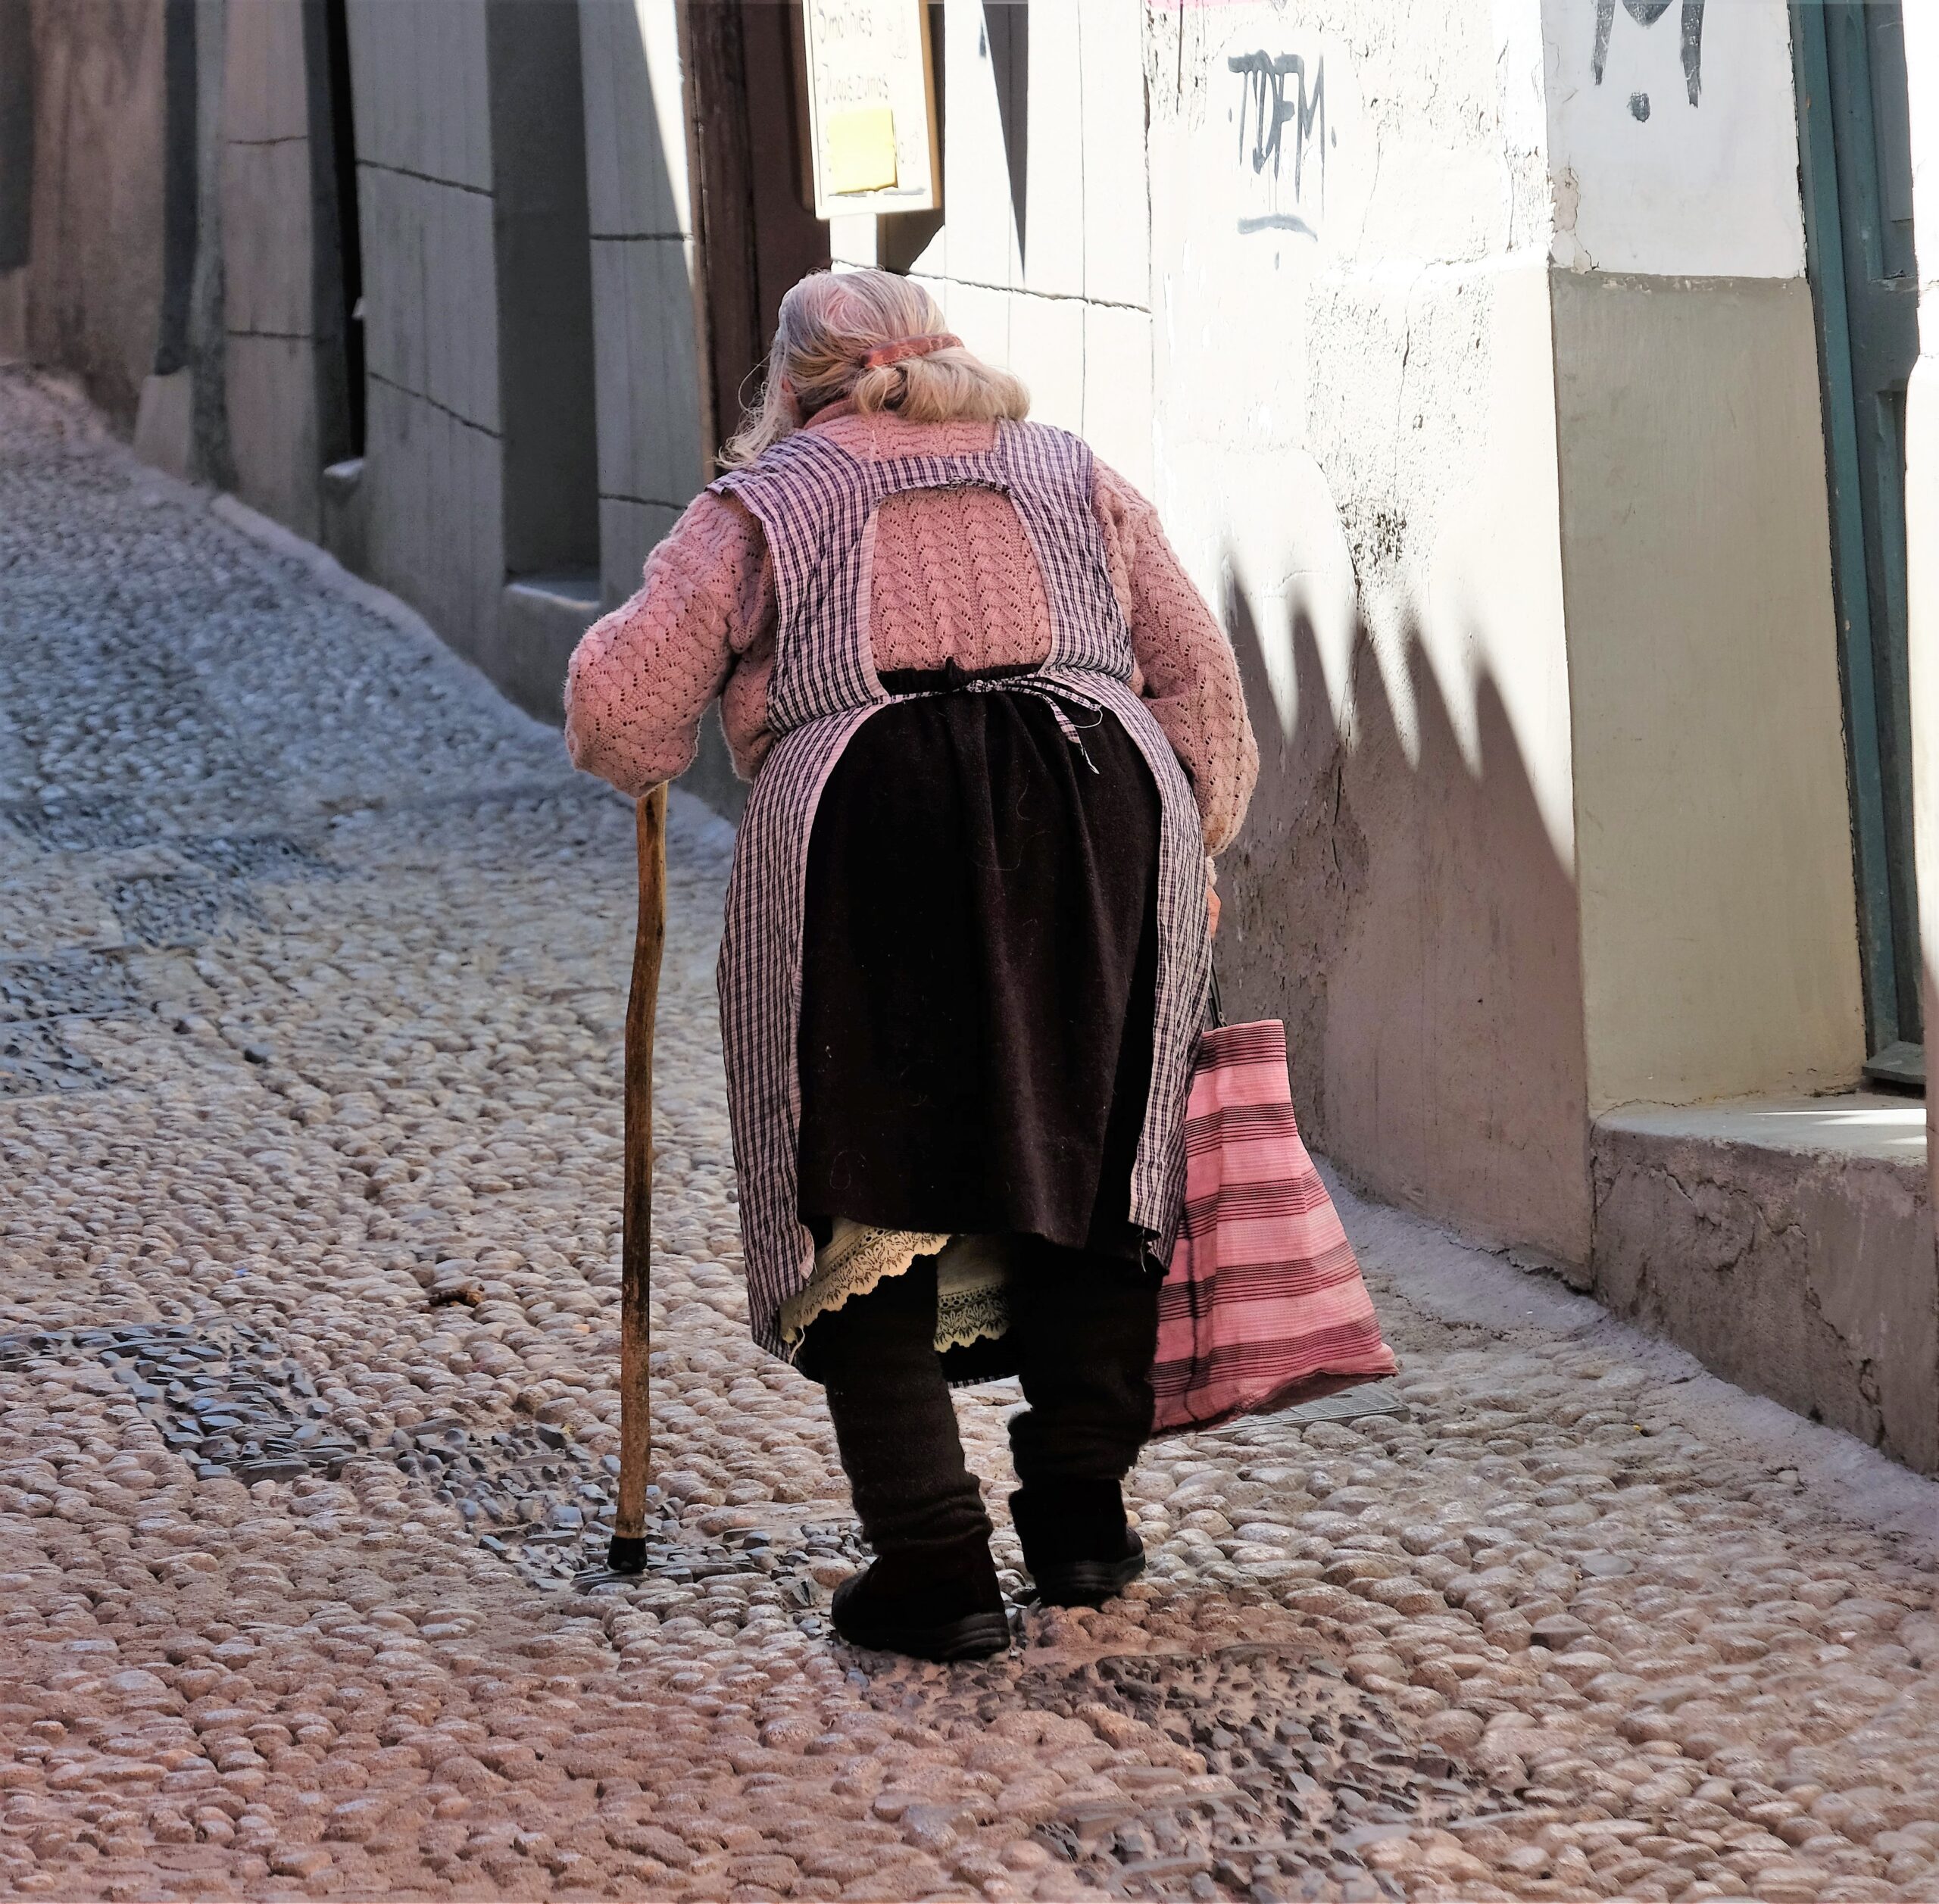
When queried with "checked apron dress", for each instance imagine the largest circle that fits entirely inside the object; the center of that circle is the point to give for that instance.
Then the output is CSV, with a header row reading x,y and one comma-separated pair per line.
x,y
817,504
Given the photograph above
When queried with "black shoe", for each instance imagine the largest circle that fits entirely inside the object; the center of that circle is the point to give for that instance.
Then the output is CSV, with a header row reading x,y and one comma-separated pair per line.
x,y
1075,1542
1089,1583
940,1602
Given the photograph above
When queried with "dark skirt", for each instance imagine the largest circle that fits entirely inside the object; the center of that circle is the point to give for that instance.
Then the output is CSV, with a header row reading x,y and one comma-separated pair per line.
x,y
979,973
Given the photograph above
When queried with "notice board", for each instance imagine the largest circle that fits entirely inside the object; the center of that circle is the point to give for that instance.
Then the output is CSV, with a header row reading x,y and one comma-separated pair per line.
x,y
871,107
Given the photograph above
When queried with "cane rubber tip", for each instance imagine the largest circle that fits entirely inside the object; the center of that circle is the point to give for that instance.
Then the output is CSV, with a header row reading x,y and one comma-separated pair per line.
x,y
626,1554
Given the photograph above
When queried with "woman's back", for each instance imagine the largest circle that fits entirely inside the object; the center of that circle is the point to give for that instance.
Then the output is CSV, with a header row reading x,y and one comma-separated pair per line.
x,y
953,578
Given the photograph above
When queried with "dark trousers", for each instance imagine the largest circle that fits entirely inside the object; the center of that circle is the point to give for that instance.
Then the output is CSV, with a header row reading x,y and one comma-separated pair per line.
x,y
1086,1328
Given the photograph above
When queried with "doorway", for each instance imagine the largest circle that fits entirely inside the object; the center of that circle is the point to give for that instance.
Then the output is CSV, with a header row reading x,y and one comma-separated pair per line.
x,y
543,238
340,276
1854,150
17,88
757,237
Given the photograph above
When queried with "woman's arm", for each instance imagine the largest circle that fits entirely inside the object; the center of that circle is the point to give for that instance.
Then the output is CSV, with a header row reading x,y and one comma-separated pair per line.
x,y
1191,677
642,677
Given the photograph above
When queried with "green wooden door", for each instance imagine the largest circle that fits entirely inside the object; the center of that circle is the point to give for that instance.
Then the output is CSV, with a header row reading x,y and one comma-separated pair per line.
x,y
1854,150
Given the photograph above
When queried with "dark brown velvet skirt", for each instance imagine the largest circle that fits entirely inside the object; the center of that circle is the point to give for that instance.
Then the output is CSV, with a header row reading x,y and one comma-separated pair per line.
x,y
979,965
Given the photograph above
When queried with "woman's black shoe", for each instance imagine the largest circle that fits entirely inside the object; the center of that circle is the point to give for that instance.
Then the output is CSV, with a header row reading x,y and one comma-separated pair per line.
x,y
1089,1583
932,1602
1075,1542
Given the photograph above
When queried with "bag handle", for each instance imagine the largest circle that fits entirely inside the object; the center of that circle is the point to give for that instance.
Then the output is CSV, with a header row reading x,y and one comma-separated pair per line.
x,y
1218,1008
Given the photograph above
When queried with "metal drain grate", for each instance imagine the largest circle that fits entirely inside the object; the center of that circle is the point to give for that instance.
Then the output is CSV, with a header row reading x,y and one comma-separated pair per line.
x,y
1370,1398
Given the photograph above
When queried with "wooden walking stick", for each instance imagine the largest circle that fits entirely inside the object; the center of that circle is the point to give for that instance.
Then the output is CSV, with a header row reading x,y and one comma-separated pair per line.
x,y
627,1552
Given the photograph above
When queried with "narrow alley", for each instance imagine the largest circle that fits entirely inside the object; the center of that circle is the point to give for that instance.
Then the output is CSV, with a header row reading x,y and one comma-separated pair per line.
x,y
312,958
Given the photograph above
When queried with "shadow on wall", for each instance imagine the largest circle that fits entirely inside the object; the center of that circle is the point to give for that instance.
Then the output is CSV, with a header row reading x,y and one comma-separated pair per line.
x,y
1406,914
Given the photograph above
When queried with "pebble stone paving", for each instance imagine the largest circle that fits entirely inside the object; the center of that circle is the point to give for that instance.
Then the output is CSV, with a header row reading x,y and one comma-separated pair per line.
x,y
311,960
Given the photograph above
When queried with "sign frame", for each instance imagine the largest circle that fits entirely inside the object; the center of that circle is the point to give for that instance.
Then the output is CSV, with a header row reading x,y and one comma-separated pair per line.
x,y
822,133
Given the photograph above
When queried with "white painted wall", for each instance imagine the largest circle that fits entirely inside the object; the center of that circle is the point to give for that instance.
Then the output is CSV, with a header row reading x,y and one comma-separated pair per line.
x,y
1069,308
1325,317
1646,180
1354,418
1714,854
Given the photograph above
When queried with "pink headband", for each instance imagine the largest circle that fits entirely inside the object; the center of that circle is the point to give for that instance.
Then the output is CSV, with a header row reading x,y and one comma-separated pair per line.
x,y
886,354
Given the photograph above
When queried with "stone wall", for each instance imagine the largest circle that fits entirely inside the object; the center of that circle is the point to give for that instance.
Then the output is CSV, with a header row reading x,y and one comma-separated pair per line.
x,y
649,432
282,329
433,463
89,296
480,502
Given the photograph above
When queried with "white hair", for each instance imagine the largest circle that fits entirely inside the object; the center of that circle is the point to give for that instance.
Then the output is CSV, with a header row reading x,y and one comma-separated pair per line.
x,y
829,323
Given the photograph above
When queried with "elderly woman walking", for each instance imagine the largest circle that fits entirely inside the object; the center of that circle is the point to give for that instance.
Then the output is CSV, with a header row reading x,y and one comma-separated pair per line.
x,y
994,732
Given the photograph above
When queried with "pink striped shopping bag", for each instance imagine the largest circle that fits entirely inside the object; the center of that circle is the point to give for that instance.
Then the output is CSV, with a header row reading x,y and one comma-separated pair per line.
x,y
1262,1305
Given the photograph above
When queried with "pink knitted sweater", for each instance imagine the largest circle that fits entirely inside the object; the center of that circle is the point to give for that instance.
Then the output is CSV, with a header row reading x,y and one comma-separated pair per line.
x,y
953,578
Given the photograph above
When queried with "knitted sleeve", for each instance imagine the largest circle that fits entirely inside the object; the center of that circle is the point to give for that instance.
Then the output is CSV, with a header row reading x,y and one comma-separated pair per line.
x,y
642,677
1191,677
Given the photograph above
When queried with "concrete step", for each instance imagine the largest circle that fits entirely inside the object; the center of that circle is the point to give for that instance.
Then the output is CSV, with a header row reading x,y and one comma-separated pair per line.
x,y
1788,1244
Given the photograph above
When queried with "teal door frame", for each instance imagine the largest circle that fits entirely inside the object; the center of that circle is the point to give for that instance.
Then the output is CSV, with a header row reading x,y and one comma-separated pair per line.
x,y
1852,156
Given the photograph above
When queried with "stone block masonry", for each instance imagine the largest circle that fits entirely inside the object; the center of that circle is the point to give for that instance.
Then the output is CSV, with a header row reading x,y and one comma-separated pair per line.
x,y
339,1148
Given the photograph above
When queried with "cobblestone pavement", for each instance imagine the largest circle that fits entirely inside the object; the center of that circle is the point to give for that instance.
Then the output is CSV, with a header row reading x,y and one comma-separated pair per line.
x,y
311,955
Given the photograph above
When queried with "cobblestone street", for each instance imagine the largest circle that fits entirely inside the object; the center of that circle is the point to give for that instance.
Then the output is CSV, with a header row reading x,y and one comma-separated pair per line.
x,y
312,957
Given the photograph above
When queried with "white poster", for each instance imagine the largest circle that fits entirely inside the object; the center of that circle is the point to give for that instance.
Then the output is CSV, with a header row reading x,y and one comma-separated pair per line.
x,y
872,113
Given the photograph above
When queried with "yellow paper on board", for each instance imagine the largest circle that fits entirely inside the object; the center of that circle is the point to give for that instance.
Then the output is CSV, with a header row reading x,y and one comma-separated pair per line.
x,y
860,148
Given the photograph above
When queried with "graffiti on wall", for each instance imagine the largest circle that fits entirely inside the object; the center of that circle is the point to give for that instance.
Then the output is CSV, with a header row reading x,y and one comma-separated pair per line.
x,y
1646,12
1282,124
